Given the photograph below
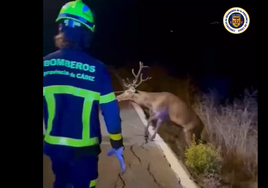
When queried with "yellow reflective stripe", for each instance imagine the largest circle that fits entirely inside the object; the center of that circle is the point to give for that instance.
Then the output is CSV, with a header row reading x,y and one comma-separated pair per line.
x,y
92,183
107,98
89,97
87,107
51,112
79,92
64,141
115,136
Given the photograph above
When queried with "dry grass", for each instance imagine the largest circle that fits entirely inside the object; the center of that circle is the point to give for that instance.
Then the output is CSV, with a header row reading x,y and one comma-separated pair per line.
x,y
234,128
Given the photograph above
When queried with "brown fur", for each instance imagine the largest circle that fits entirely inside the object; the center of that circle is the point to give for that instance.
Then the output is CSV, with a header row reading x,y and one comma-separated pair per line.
x,y
177,110
147,112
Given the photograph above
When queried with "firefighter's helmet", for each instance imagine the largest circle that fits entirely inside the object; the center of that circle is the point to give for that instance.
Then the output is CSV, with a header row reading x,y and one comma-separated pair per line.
x,y
79,12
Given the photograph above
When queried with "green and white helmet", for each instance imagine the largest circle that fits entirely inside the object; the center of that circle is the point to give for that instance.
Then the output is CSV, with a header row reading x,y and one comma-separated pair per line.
x,y
79,12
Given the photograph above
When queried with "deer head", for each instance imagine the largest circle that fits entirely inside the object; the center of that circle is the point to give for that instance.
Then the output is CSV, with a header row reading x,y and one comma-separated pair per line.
x,y
131,91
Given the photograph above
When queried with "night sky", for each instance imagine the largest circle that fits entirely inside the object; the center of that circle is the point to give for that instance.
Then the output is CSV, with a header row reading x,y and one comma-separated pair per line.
x,y
128,31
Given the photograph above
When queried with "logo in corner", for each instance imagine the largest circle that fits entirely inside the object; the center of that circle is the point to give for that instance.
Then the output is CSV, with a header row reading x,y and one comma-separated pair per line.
x,y
236,20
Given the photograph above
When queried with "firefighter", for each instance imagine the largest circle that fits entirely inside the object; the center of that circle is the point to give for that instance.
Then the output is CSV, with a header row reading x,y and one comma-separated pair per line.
x,y
75,85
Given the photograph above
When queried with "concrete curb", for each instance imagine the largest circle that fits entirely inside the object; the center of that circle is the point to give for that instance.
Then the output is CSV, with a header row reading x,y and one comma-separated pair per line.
x,y
176,165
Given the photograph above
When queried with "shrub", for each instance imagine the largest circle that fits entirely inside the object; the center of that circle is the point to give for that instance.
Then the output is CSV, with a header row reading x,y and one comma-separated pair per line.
x,y
234,128
203,159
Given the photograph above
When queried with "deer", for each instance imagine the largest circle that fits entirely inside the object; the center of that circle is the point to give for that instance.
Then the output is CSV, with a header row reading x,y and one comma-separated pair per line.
x,y
161,106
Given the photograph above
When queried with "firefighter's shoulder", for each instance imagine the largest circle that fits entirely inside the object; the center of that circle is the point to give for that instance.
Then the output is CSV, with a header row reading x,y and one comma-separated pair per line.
x,y
50,55
100,66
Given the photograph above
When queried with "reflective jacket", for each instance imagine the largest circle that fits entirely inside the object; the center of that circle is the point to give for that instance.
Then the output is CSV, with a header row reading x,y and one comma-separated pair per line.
x,y
75,85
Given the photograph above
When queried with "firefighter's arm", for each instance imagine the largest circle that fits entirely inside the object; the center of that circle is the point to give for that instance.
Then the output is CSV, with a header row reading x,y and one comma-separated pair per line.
x,y
110,111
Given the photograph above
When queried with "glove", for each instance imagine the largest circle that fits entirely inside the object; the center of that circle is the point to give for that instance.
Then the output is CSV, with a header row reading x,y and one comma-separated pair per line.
x,y
119,155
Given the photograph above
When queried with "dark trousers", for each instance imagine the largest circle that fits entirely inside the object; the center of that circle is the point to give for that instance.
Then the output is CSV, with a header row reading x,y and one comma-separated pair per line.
x,y
78,173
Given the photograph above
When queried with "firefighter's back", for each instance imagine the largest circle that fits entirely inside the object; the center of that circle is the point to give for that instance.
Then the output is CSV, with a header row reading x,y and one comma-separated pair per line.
x,y
71,85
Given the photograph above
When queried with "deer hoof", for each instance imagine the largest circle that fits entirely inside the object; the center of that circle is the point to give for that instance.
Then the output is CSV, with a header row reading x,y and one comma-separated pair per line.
x,y
152,138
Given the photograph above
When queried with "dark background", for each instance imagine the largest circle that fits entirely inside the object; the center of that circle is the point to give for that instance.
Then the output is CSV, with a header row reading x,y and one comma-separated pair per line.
x,y
128,31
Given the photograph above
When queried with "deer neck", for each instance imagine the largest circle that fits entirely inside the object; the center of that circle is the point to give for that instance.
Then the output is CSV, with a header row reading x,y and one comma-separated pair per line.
x,y
143,99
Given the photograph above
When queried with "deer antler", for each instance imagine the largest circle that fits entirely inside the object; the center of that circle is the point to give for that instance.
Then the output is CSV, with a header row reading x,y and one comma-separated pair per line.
x,y
136,76
134,83
142,80
127,83
139,75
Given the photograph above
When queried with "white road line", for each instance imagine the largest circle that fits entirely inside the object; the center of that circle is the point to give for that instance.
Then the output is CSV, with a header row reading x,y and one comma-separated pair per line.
x,y
176,165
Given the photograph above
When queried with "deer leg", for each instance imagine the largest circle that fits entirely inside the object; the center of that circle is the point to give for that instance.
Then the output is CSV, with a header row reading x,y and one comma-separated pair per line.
x,y
153,124
146,131
159,121
188,137
150,121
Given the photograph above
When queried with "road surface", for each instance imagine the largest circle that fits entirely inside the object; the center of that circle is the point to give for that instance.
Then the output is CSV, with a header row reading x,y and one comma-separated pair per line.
x,y
146,165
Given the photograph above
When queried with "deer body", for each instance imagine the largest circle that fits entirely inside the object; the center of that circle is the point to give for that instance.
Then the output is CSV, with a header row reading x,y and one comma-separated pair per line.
x,y
163,106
